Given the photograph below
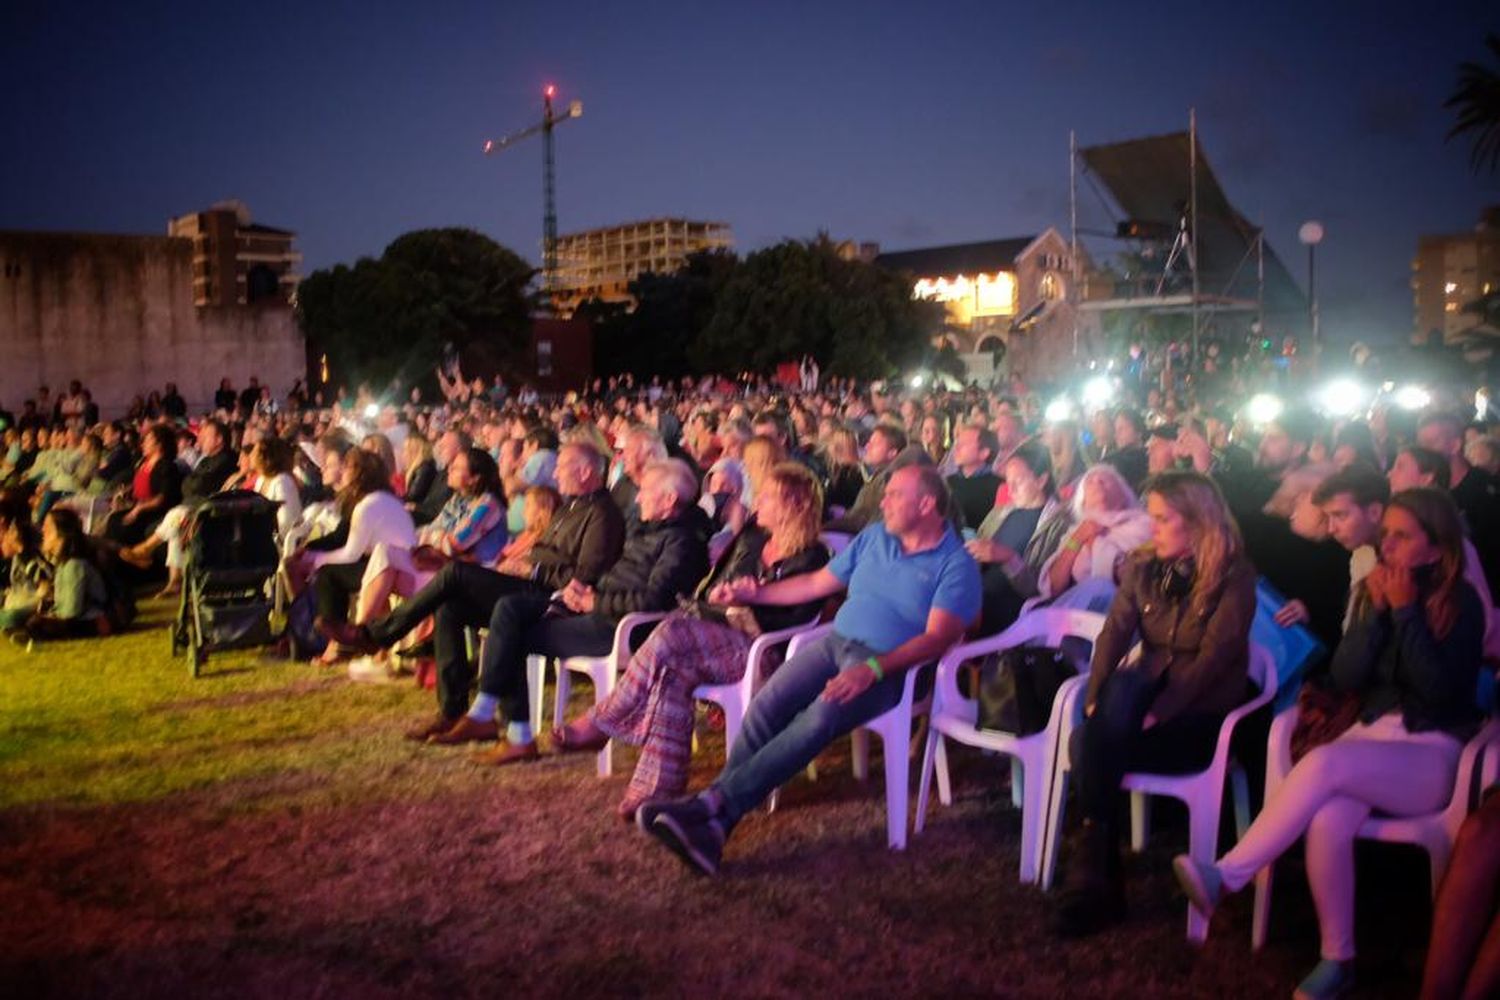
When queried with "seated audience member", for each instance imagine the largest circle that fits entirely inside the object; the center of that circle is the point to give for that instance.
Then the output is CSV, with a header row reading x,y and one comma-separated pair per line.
x,y
156,489
583,541
1068,460
1190,596
272,460
449,444
372,515
542,503
379,444
1411,655
1463,958
1108,524
1128,451
1007,558
653,704
664,555
215,464
974,483
1476,492
912,591
30,574
471,528
885,444
419,469
638,448
77,602
846,476
1483,453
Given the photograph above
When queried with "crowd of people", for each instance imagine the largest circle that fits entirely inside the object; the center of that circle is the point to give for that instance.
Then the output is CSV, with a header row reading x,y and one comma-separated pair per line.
x,y
911,518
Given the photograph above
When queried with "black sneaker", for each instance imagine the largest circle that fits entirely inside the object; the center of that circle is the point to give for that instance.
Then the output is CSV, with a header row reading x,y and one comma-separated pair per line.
x,y
699,843
646,813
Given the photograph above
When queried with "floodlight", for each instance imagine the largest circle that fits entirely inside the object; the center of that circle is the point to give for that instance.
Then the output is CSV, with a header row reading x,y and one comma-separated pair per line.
x,y
372,411
1097,392
1412,397
1264,408
1060,408
1343,397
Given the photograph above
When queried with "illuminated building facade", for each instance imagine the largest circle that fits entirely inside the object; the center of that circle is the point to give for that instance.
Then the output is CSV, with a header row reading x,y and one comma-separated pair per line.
x,y
1449,272
995,290
601,263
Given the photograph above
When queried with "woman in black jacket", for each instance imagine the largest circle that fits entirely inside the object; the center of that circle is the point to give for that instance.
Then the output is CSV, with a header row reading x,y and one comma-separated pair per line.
x,y
1411,657
653,704
665,554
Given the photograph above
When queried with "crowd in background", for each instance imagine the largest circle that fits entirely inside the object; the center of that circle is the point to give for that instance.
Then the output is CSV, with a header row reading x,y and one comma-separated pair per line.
x,y
1158,495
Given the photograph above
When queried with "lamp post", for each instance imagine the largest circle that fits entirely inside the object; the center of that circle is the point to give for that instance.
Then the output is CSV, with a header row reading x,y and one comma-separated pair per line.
x,y
1311,234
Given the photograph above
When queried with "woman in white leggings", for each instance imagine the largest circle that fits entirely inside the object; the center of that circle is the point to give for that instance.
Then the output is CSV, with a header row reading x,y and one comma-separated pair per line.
x,y
1411,656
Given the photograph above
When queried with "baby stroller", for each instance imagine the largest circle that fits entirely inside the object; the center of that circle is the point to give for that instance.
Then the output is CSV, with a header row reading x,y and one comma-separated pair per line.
x,y
231,557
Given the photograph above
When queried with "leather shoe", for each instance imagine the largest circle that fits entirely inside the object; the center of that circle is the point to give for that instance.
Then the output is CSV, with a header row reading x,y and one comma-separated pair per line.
x,y
507,753
355,638
430,726
466,730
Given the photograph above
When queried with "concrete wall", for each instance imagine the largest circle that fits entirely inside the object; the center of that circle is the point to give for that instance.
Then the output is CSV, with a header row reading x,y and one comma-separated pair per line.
x,y
116,312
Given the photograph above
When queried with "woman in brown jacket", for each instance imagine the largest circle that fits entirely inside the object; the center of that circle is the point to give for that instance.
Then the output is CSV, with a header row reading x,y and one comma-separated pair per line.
x,y
1190,596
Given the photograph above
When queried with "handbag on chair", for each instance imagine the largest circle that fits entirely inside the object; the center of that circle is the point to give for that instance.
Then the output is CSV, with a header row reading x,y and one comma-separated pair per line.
x,y
1017,688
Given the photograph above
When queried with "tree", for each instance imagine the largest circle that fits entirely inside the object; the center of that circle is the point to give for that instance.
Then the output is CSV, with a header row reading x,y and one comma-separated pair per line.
x,y
390,318
799,298
1477,102
671,312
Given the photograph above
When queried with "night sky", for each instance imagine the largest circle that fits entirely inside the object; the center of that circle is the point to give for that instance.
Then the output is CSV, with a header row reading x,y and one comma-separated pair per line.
x,y
908,124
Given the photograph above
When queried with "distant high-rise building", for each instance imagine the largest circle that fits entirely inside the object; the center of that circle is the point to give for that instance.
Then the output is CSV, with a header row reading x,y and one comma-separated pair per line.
x,y
1449,272
237,262
601,263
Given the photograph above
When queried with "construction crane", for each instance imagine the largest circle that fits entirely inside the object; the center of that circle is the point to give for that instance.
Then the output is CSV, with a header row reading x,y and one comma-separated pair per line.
x,y
549,121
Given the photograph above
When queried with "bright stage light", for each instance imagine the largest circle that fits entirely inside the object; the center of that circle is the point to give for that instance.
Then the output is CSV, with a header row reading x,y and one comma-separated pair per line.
x,y
916,381
372,411
1097,392
1343,397
1060,408
1263,408
1413,397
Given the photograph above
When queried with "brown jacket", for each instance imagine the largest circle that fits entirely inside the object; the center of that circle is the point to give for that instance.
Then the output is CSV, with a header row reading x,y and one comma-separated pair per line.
x,y
1205,657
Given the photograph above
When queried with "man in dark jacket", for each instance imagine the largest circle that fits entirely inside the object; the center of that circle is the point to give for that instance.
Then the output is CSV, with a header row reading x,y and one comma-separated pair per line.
x,y
665,557
581,544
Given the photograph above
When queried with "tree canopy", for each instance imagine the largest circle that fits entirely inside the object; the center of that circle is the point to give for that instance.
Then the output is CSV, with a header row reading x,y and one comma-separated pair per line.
x,y
389,318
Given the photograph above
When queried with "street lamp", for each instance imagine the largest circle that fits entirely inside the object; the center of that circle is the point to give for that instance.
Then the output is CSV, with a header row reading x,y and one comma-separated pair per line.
x,y
1311,234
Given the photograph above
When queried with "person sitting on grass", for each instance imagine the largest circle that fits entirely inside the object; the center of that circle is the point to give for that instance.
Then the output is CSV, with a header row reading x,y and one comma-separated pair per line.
x,y
30,573
653,704
1411,655
77,602
912,591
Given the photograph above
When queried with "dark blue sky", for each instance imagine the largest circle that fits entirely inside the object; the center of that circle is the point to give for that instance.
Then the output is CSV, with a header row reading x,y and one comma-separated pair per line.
x,y
910,124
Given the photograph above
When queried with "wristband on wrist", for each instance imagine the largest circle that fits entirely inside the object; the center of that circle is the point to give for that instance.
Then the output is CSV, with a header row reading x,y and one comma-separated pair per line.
x,y
874,666
1073,545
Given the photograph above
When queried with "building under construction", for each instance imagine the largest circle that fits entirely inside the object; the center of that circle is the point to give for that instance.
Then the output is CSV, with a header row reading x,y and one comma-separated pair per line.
x,y
601,263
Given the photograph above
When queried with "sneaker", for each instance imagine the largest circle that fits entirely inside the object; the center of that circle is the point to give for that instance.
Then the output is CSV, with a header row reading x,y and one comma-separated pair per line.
x,y
699,843
1328,979
368,670
690,808
1202,883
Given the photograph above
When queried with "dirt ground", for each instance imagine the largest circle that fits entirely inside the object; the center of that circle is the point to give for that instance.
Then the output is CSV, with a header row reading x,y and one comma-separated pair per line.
x,y
314,853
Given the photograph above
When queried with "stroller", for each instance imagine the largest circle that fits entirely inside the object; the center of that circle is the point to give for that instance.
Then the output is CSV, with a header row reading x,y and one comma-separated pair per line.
x,y
231,558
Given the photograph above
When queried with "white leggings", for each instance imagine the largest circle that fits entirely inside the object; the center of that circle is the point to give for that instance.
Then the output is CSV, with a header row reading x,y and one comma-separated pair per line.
x,y
1327,796
170,530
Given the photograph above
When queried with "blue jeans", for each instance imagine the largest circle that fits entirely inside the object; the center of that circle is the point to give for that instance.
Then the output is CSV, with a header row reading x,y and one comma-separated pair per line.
x,y
787,724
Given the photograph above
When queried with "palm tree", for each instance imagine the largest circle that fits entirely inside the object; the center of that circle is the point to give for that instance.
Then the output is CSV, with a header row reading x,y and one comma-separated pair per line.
x,y
1477,101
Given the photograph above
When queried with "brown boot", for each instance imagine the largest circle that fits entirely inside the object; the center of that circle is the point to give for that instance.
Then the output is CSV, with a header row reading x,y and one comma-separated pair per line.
x,y
508,753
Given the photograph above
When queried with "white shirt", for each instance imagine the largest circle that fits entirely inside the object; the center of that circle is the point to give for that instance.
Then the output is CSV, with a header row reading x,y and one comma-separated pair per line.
x,y
378,518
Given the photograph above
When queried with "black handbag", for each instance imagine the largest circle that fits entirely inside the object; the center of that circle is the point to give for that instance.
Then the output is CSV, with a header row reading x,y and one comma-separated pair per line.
x,y
1017,688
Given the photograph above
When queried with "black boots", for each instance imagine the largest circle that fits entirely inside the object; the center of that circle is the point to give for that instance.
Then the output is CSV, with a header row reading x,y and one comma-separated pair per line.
x,y
1093,894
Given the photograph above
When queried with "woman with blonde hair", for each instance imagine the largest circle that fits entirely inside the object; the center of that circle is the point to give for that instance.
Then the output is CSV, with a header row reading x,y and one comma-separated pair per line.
x,y
1108,524
846,475
1190,596
1411,656
704,644
760,454
418,468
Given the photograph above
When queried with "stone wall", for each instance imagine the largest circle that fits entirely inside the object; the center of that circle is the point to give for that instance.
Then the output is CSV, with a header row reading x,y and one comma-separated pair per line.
x,y
116,312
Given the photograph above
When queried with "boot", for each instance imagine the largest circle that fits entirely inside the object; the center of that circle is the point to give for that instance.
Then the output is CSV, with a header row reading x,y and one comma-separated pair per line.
x,y
1093,894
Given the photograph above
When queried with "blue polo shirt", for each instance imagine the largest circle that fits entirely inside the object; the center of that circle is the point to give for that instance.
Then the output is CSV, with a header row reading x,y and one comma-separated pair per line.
x,y
892,593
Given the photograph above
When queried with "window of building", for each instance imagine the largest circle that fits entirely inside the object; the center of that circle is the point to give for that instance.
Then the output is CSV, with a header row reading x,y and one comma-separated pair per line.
x,y
1051,288
543,358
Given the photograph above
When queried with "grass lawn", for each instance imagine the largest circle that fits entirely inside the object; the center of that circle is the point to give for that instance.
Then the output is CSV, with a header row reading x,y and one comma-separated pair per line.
x,y
265,831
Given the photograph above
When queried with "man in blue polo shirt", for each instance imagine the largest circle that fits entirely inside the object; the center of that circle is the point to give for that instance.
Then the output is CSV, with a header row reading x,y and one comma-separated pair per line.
x,y
912,591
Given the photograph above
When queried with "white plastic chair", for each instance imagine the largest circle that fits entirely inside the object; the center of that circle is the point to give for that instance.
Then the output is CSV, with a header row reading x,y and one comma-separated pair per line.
x,y
1434,832
734,698
1202,793
603,670
894,729
955,717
